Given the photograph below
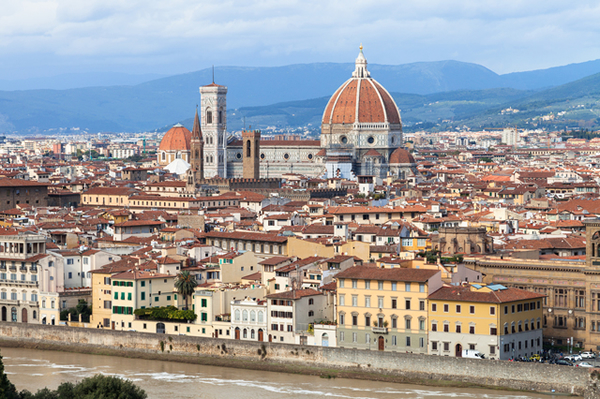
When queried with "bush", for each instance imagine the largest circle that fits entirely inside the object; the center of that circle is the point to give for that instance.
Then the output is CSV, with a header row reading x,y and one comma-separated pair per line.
x,y
169,313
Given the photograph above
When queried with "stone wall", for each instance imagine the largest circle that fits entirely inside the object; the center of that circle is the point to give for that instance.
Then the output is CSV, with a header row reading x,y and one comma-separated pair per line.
x,y
385,366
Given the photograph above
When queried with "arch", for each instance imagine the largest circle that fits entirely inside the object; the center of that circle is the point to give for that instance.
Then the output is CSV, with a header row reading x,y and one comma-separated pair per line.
x,y
245,333
458,350
253,316
220,116
209,118
260,316
34,315
381,343
252,334
160,328
324,339
245,316
13,314
24,315
237,333
4,315
237,315
260,335
248,148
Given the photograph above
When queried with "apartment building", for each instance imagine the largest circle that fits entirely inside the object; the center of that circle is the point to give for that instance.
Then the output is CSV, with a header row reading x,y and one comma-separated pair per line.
x,y
499,322
384,309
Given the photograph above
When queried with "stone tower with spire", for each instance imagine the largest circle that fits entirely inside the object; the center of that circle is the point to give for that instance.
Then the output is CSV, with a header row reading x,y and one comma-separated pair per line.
x,y
196,172
213,108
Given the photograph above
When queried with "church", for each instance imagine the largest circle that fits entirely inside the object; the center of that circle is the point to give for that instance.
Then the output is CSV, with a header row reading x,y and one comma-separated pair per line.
x,y
361,134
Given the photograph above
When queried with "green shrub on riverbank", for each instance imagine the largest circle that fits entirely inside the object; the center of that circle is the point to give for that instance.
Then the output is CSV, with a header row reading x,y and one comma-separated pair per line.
x,y
169,313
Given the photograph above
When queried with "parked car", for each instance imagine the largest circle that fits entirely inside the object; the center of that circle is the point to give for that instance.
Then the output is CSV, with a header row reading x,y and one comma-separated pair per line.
x,y
584,364
563,362
588,355
573,358
535,358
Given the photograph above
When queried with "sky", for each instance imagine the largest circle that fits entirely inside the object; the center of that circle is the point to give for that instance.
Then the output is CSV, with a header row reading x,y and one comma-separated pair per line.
x,y
49,37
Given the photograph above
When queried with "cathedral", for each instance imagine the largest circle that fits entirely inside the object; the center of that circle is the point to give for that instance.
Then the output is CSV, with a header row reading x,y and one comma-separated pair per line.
x,y
361,134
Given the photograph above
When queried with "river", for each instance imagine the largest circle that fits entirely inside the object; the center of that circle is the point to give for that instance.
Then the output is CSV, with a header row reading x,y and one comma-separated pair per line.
x,y
34,369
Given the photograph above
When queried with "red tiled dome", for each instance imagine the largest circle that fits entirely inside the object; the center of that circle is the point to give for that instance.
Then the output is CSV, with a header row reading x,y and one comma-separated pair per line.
x,y
400,155
178,138
361,99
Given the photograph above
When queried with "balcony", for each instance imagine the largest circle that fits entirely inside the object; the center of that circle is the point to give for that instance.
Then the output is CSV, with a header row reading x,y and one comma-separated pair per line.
x,y
23,269
13,268
379,330
33,269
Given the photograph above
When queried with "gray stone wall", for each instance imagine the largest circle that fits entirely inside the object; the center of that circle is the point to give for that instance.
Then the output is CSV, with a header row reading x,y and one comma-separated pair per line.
x,y
361,363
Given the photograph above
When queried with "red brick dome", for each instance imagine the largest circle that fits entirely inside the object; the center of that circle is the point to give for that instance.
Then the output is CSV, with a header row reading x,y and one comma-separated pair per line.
x,y
178,138
400,155
361,99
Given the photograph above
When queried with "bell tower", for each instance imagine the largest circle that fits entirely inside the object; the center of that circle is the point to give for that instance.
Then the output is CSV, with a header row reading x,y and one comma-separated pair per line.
x,y
251,144
213,107
197,150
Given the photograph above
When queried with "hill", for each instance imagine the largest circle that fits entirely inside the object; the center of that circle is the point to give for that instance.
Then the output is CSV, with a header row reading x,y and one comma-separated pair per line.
x,y
464,91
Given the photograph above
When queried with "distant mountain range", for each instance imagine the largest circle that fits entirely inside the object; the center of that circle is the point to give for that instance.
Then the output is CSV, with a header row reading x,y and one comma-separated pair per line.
x,y
445,93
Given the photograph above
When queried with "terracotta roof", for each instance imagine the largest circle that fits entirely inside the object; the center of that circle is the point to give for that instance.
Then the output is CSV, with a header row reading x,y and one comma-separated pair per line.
x,y
396,274
178,138
466,294
400,155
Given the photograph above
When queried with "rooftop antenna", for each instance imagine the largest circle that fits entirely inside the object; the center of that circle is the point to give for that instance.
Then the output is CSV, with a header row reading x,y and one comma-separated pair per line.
x,y
213,68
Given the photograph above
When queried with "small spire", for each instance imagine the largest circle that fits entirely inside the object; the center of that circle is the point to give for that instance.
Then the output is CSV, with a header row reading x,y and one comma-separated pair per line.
x,y
213,67
360,47
196,133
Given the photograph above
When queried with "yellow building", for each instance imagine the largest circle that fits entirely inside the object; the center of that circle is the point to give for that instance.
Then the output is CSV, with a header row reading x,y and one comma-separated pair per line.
x,y
107,196
301,248
499,322
384,309
137,289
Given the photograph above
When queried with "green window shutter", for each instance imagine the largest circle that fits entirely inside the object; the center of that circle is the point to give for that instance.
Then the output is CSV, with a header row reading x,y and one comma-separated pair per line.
x,y
129,296
203,303
175,296
114,309
155,299
168,297
143,296
122,296
116,295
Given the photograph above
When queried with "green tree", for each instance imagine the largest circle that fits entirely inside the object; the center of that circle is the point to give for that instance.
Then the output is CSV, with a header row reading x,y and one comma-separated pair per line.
x,y
7,389
101,386
185,284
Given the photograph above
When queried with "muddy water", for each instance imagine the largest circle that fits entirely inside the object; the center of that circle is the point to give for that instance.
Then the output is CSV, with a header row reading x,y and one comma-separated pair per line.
x,y
34,369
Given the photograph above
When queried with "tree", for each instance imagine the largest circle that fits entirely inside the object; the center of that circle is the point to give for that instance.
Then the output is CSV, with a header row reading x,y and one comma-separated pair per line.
x,y
101,386
7,389
185,284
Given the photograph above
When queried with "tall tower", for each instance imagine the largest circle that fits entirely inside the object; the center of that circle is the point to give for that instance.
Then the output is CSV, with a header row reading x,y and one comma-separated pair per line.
x,y
197,150
213,107
251,143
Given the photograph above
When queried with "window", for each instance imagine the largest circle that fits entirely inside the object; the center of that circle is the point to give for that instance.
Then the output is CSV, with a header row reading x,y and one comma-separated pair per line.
x,y
367,284
506,310
434,307
579,299
407,341
446,307
434,326
380,302
471,329
354,337
394,340
421,305
354,300
394,286
458,328
421,287
367,321
341,318
380,285
446,327
492,350
434,345
311,313
342,300
367,301
407,323
492,310
407,304
354,284
472,309
142,296
446,346
354,320
394,304
394,322
458,308
407,287
341,282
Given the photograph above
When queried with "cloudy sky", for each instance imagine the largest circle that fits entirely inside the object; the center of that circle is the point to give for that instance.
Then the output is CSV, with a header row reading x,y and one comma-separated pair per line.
x,y
47,37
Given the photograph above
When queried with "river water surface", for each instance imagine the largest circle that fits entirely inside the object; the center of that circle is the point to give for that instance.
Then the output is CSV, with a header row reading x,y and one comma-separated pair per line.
x,y
34,369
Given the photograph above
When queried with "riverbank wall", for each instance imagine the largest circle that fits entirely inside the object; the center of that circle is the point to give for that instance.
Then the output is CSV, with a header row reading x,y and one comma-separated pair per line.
x,y
314,360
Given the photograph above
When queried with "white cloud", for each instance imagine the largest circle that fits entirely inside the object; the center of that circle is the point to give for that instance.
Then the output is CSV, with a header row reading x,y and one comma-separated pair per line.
x,y
178,35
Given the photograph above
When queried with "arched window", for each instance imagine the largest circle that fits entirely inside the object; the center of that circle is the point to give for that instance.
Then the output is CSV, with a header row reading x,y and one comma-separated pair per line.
x,y
311,313
248,148
260,317
164,155
245,333
251,331
311,301
35,314
245,315
220,116
52,304
209,117
253,317
43,303
237,315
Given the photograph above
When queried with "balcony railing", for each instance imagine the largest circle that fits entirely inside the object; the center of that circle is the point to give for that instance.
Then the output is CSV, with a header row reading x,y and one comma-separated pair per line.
x,y
379,330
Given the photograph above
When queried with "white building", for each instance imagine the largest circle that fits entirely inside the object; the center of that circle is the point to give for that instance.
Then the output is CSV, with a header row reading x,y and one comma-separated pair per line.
x,y
249,319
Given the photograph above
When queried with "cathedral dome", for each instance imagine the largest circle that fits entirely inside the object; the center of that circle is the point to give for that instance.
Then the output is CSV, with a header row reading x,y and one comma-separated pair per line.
x,y
361,99
401,156
178,138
